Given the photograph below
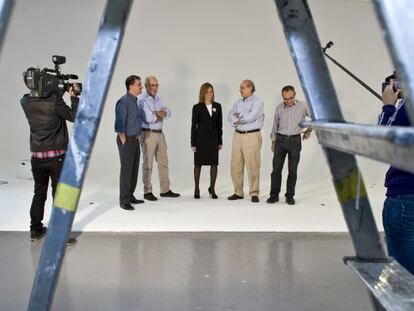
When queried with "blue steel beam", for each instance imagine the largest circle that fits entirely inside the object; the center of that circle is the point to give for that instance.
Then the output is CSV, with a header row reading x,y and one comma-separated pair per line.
x,y
98,77
6,8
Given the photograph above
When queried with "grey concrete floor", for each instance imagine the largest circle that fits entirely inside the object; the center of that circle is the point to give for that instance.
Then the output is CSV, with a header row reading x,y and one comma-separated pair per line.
x,y
189,271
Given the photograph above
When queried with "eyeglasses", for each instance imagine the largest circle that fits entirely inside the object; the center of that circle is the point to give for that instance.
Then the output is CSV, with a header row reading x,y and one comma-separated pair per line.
x,y
290,98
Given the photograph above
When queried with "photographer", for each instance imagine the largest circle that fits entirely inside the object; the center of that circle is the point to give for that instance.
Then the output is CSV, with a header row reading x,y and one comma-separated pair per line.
x,y
47,116
398,212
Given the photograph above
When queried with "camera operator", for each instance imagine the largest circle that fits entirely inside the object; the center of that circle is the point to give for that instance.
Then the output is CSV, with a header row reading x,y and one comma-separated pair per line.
x,y
47,116
398,212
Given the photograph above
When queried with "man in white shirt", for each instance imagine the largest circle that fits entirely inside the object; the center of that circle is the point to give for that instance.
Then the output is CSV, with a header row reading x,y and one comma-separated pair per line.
x,y
247,118
153,143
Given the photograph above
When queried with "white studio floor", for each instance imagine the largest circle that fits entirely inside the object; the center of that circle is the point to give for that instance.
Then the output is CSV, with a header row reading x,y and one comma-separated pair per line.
x,y
316,210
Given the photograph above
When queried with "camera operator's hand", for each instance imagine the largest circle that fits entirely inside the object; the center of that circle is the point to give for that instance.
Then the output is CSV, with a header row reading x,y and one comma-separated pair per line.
x,y
389,97
73,90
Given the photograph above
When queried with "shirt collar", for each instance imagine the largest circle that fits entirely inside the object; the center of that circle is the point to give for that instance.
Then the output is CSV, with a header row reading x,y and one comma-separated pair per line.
x,y
147,95
131,96
294,104
247,98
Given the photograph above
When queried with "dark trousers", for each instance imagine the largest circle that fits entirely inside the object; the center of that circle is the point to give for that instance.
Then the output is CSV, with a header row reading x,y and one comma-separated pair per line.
x,y
290,146
129,154
43,170
398,221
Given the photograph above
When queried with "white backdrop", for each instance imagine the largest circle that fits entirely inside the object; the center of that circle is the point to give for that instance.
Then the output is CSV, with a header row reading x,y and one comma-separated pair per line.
x,y
185,43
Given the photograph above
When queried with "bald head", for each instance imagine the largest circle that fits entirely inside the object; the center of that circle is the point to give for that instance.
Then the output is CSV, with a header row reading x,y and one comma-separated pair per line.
x,y
247,88
151,85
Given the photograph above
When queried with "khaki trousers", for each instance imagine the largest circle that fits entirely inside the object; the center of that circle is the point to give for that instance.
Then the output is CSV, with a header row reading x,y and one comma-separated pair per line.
x,y
153,147
246,151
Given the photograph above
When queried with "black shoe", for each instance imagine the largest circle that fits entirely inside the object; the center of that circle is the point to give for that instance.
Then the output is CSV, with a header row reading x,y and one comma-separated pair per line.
x,y
196,193
212,193
272,199
38,235
255,199
170,194
134,200
127,207
71,241
234,197
150,197
290,200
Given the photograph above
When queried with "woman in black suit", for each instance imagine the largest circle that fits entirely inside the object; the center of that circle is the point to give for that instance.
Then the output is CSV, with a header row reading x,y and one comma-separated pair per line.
x,y
206,137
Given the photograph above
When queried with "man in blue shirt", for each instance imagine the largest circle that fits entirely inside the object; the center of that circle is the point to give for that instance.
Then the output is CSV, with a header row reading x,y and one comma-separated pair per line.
x,y
398,212
128,128
247,118
154,145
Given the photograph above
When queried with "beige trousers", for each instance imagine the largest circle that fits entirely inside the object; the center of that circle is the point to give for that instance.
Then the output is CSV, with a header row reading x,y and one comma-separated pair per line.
x,y
153,147
246,151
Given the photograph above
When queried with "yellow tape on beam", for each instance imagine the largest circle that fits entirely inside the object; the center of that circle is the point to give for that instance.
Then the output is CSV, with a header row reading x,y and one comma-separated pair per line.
x,y
346,188
67,197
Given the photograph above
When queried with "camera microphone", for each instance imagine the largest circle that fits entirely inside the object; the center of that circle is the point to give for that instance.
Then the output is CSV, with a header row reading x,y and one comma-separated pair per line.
x,y
72,76
328,46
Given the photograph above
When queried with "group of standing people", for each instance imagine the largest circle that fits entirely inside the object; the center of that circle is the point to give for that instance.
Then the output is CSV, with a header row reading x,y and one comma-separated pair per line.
x,y
139,122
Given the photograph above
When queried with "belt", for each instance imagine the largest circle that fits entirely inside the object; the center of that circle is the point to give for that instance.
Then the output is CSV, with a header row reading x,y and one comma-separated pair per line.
x,y
288,136
133,137
247,132
151,130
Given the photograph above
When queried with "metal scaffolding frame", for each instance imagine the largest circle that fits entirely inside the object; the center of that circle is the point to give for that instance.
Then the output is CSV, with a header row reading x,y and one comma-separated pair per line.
x,y
391,287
